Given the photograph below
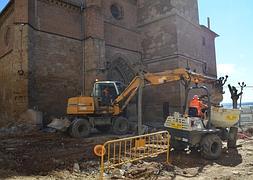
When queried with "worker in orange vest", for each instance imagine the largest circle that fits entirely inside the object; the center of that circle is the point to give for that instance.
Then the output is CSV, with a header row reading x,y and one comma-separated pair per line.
x,y
199,105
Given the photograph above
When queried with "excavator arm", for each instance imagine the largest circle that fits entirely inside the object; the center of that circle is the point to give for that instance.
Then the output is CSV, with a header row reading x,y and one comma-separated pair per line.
x,y
121,102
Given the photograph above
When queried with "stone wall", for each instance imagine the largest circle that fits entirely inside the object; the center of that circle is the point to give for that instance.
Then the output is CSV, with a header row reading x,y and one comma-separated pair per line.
x,y
55,56
172,38
94,44
208,50
6,62
13,63
187,9
122,45
55,71
157,24
64,48
56,17
122,40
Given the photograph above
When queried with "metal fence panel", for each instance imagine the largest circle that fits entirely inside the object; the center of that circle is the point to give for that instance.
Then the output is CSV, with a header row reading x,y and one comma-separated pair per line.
x,y
118,152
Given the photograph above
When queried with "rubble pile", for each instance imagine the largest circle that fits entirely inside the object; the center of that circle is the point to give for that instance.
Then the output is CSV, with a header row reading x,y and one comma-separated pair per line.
x,y
16,129
26,122
249,131
139,170
246,134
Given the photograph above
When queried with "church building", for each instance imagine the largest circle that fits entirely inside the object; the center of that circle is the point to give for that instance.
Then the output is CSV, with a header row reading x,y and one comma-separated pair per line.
x,y
51,50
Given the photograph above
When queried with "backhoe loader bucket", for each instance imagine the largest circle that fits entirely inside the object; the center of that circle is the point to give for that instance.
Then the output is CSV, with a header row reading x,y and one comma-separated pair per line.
x,y
60,124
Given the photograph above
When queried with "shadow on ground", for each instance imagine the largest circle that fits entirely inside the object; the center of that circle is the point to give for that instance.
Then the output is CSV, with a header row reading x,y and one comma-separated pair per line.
x,y
41,153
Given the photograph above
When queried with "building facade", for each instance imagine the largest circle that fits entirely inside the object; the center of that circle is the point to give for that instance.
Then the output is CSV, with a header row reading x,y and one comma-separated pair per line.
x,y
55,49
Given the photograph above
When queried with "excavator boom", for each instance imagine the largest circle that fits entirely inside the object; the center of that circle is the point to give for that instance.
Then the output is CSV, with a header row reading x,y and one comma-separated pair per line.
x,y
157,79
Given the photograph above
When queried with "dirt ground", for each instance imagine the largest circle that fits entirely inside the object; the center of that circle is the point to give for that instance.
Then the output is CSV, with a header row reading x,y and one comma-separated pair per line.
x,y
40,155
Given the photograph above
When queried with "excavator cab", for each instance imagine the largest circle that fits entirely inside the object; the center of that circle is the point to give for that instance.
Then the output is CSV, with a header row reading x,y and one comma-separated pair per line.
x,y
114,88
105,92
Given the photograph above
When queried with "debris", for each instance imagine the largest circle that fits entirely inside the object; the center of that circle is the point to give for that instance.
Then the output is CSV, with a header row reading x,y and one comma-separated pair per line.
x,y
236,172
126,166
49,130
54,156
16,129
251,164
249,131
143,169
60,124
31,117
118,174
250,153
249,173
244,136
76,168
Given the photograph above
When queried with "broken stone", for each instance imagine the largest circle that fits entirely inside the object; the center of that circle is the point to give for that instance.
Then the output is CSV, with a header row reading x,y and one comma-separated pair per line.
x,y
250,153
76,167
250,173
236,172
249,149
118,174
136,171
16,129
60,124
31,117
126,166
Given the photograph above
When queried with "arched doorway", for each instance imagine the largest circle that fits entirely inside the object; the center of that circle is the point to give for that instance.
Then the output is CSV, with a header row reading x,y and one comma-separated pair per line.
x,y
120,70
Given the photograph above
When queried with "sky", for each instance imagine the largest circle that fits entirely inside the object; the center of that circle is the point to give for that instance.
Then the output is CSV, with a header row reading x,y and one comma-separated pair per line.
x,y
233,21
3,3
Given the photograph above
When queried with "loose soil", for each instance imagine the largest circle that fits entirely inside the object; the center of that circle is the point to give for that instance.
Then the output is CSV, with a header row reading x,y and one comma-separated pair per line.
x,y
39,155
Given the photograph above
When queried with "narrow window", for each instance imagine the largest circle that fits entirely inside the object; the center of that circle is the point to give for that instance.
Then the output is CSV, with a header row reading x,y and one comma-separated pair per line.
x,y
203,41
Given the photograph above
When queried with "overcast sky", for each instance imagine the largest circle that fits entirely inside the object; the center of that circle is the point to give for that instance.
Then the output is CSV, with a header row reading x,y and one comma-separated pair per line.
x,y
233,21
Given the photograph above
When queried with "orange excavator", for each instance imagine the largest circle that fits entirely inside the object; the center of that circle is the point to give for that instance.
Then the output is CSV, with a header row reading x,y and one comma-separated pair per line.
x,y
105,108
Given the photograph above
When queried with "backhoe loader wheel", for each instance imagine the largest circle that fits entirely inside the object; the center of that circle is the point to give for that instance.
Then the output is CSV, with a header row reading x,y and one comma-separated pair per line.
x,y
80,128
211,146
120,126
231,142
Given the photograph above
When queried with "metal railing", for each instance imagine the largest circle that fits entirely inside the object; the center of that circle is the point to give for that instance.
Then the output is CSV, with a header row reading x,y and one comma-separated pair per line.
x,y
118,152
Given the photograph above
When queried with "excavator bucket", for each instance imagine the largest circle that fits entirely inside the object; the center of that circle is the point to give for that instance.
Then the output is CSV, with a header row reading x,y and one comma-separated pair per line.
x,y
60,124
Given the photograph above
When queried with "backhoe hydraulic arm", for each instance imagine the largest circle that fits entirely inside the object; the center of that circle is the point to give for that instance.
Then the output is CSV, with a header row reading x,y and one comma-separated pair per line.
x,y
121,102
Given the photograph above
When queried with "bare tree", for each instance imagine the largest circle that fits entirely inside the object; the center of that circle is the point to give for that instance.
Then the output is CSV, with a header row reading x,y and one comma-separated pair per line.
x,y
234,95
